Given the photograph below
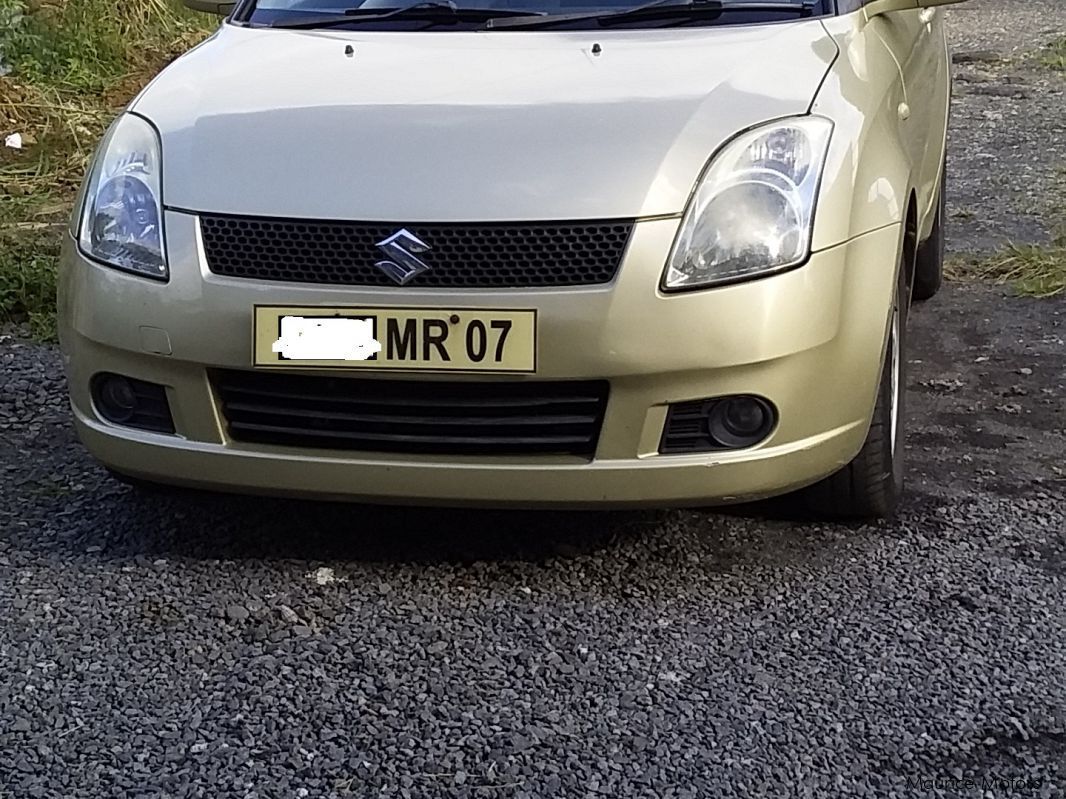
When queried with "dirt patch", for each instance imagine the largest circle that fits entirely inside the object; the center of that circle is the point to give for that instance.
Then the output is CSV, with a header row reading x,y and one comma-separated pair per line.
x,y
988,393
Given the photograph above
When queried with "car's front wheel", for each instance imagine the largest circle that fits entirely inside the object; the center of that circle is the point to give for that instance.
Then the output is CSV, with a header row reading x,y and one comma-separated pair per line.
x,y
872,484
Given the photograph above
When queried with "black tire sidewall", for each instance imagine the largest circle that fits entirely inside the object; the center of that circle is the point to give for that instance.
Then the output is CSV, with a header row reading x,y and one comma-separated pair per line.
x,y
892,457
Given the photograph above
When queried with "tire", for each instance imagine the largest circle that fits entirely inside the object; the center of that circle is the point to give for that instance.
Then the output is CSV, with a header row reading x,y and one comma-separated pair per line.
x,y
929,266
871,485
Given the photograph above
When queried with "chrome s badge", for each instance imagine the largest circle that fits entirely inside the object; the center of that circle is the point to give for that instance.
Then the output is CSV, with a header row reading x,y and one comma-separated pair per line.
x,y
403,248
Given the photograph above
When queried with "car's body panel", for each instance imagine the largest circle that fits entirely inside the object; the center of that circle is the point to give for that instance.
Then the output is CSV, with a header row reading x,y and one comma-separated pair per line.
x,y
470,127
888,142
805,338
926,66
507,126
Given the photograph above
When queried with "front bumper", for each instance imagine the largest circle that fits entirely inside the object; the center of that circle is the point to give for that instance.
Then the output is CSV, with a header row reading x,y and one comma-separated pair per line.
x,y
810,340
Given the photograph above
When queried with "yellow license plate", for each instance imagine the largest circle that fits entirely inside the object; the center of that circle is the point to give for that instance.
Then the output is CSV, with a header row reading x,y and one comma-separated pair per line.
x,y
412,339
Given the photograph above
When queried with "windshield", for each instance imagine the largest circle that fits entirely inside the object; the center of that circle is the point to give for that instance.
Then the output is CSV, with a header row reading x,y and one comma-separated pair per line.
x,y
557,14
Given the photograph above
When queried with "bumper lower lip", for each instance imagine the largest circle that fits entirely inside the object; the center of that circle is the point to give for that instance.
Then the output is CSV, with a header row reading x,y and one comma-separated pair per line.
x,y
810,340
637,482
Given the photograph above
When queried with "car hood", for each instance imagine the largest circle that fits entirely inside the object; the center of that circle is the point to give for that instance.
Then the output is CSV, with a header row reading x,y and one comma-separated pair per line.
x,y
441,127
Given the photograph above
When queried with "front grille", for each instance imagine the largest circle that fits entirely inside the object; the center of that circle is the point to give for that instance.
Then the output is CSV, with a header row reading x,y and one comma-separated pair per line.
x,y
460,256
414,416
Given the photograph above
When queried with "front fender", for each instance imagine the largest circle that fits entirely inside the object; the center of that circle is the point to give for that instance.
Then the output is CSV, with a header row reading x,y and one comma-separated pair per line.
x,y
868,176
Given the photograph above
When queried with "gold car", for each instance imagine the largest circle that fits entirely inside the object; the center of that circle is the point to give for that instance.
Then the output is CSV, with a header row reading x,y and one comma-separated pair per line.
x,y
521,253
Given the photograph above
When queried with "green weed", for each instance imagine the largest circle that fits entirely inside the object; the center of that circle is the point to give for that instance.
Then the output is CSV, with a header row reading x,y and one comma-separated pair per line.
x,y
87,45
1054,56
28,279
1031,270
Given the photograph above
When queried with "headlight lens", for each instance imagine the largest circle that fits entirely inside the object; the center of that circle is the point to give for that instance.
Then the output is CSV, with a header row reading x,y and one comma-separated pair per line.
x,y
753,210
122,217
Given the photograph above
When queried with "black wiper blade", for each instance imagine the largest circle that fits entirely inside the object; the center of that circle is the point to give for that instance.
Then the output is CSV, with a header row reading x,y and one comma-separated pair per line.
x,y
430,10
655,9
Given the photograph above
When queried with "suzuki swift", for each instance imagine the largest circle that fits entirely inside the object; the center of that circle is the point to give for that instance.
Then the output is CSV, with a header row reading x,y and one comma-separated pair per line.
x,y
517,252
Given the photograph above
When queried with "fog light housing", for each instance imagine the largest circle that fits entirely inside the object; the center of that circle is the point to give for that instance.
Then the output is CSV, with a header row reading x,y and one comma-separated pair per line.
x,y
131,403
116,399
716,424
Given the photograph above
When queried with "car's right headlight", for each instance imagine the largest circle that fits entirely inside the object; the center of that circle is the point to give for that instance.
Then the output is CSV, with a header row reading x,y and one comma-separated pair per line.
x,y
122,214
752,213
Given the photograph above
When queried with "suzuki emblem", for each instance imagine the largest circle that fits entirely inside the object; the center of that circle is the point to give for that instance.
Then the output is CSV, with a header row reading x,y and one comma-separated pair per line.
x,y
403,248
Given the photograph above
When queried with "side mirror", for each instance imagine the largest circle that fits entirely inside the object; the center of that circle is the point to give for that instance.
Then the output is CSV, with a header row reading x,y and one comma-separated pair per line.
x,y
210,6
888,6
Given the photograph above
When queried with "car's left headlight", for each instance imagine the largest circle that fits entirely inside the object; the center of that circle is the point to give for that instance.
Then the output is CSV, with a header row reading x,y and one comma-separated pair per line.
x,y
122,214
753,209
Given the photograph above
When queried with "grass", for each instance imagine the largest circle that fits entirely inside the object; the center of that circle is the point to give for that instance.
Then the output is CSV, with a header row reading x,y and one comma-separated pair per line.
x,y
71,66
1054,56
1031,270
28,279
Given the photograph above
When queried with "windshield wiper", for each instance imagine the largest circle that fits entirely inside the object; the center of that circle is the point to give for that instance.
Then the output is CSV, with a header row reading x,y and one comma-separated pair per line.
x,y
658,9
429,10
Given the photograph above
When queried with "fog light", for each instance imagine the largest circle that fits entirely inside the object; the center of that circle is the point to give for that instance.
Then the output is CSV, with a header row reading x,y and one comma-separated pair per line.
x,y
131,402
116,398
717,423
740,421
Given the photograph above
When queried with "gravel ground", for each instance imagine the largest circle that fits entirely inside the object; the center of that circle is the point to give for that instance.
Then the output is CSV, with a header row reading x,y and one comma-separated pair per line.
x,y
199,646
1008,141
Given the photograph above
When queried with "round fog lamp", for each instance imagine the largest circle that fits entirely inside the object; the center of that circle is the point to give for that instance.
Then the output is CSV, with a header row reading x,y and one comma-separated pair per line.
x,y
743,417
117,400
741,421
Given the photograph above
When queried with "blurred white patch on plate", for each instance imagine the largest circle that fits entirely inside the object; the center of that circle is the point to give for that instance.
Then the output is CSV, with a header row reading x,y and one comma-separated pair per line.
x,y
327,339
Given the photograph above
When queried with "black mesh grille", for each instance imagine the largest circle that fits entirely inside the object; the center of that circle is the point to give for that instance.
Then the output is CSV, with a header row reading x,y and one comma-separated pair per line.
x,y
687,428
460,256
416,416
